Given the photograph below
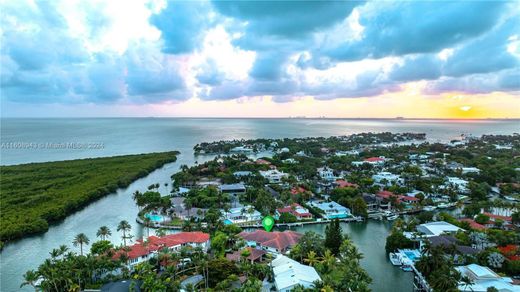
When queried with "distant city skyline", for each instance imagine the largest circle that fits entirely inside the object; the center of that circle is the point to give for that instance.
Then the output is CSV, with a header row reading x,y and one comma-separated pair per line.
x,y
336,59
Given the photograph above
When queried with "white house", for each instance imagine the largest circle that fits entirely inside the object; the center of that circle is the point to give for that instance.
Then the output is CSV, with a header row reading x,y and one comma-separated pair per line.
x,y
387,178
241,215
273,175
437,228
326,173
483,278
289,273
331,209
345,153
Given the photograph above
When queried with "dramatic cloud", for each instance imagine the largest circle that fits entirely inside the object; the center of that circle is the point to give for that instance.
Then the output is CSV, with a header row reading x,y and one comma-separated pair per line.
x,y
155,52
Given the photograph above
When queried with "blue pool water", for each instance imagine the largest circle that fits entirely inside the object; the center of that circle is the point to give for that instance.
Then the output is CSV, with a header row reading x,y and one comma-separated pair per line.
x,y
410,255
154,217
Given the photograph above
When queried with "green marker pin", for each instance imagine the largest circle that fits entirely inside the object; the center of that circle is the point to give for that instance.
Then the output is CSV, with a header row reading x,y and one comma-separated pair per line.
x,y
268,223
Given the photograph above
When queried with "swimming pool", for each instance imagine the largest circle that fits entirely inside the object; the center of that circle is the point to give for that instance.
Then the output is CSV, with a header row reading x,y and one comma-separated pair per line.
x,y
154,217
412,254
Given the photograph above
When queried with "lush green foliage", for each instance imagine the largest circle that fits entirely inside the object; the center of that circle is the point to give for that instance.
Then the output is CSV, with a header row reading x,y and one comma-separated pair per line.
x,y
36,194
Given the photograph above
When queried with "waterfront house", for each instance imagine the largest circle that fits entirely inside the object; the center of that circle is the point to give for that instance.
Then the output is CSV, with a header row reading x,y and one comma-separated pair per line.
x,y
295,209
290,161
437,228
242,215
349,152
274,176
473,224
144,250
180,210
326,173
483,278
331,210
448,241
289,273
372,202
274,242
241,149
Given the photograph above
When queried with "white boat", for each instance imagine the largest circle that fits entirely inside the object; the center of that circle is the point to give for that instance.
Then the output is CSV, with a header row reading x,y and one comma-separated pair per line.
x,y
392,217
429,208
394,259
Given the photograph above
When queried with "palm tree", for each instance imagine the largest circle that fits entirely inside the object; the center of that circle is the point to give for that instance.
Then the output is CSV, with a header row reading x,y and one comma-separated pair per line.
x,y
467,281
103,232
312,258
30,278
80,240
124,226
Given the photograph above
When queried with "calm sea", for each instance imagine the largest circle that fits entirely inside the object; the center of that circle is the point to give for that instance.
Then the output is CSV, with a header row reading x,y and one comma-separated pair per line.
x,y
37,140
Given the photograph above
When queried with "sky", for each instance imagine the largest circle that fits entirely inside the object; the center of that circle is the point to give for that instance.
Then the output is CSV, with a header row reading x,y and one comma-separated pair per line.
x,y
226,58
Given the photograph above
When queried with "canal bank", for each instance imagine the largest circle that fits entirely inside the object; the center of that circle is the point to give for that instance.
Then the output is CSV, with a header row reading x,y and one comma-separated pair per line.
x,y
370,238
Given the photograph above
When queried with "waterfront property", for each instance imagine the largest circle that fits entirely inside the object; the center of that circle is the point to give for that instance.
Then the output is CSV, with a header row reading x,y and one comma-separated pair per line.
x,y
180,210
241,215
331,210
483,278
289,273
295,209
273,242
437,228
144,250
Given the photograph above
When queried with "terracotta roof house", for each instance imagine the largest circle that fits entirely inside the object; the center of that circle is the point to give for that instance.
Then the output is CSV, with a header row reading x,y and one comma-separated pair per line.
x,y
297,210
275,242
473,224
144,250
340,183
255,255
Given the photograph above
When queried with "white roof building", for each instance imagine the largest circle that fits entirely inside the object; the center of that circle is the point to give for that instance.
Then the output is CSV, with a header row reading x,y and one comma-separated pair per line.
x,y
289,273
273,175
241,215
387,177
484,278
437,228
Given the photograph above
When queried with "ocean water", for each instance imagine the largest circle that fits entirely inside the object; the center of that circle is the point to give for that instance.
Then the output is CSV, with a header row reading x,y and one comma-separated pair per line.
x,y
38,140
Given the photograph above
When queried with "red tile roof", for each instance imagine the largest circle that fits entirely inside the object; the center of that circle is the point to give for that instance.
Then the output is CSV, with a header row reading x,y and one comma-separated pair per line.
x,y
262,161
253,256
155,243
345,184
473,224
278,240
297,190
385,194
494,217
291,209
374,159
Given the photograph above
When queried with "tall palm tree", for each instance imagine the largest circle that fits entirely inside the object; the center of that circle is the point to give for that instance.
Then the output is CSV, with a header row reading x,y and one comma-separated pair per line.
x,y
80,240
30,278
125,227
103,232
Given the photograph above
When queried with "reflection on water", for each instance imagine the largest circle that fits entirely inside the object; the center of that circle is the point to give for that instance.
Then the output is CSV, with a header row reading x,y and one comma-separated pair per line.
x,y
128,136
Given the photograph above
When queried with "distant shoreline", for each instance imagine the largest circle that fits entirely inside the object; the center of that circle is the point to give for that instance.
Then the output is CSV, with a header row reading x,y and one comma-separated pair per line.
x,y
273,118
